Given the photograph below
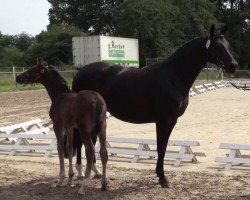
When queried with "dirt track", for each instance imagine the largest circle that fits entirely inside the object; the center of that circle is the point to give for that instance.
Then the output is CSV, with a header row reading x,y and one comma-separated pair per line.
x,y
29,177
20,181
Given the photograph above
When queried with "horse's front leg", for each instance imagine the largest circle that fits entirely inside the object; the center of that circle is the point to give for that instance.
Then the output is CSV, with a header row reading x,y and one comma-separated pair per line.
x,y
60,148
69,148
164,128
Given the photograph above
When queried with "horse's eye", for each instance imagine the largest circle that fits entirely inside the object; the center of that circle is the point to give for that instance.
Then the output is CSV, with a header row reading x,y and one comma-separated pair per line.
x,y
42,71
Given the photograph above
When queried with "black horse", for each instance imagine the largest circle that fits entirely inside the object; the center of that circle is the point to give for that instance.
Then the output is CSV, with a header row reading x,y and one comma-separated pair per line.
x,y
158,93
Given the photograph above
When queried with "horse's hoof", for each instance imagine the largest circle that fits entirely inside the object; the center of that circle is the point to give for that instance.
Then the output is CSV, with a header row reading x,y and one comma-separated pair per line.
x,y
97,176
70,182
164,182
80,178
53,185
104,188
81,191
60,184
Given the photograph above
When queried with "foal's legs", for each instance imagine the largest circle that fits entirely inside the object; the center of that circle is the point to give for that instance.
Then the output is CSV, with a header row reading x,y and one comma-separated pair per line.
x,y
78,144
60,147
89,150
98,174
69,147
164,128
104,157
77,141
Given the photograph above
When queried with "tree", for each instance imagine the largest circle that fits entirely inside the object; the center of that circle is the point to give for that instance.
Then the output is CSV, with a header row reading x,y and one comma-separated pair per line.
x,y
23,41
55,45
6,41
163,25
11,56
236,14
92,16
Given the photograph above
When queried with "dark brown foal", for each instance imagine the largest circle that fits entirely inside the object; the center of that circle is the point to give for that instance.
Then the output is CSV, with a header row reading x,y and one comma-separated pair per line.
x,y
85,111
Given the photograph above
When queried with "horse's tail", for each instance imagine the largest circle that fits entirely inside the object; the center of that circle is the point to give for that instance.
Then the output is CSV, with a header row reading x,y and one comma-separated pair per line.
x,y
77,143
100,113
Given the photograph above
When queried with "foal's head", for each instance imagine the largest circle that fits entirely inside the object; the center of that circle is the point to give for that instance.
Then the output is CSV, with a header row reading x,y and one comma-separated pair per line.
x,y
41,73
36,74
218,51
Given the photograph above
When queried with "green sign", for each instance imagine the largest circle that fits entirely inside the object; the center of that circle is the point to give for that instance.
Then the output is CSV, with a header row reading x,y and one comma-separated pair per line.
x,y
116,50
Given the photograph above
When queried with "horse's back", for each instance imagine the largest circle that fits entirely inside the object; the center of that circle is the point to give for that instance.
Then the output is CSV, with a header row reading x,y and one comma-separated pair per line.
x,y
95,75
91,105
90,98
126,90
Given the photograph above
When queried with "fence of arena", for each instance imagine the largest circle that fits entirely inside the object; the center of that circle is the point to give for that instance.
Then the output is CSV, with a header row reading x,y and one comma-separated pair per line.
x,y
8,74
20,137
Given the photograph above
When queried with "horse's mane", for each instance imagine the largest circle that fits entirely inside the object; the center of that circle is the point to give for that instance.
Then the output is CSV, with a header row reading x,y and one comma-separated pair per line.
x,y
183,48
61,80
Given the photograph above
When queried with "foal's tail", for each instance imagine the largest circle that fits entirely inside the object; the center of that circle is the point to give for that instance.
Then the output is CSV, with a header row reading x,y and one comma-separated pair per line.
x,y
77,143
100,113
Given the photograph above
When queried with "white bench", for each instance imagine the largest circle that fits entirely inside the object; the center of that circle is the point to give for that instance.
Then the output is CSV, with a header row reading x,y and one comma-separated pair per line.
x,y
219,84
235,156
14,147
143,149
23,127
226,83
28,127
192,93
200,88
209,86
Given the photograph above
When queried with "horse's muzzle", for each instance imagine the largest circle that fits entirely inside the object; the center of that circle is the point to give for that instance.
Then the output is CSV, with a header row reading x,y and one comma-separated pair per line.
x,y
20,79
232,68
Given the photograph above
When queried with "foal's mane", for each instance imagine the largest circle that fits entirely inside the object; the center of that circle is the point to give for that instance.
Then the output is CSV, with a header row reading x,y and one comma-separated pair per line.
x,y
59,79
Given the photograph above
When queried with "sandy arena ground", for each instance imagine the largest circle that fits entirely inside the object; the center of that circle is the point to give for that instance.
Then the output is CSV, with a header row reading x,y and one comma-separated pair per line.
x,y
218,116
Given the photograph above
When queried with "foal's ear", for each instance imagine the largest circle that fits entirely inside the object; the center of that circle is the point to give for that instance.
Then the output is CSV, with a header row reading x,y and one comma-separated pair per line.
x,y
223,30
212,30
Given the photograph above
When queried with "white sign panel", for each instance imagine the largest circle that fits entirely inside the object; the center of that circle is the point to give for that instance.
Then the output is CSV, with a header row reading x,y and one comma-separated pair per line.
x,y
122,51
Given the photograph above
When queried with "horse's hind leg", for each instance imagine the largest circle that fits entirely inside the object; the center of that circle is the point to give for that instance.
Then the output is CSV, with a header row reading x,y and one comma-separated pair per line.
x,y
77,141
89,150
78,145
104,157
70,150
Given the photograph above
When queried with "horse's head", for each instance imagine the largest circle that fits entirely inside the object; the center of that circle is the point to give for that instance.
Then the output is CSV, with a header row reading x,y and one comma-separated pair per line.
x,y
35,74
218,51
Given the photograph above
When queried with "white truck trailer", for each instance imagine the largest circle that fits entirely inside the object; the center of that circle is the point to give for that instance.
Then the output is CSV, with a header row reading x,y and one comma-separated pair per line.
x,y
123,51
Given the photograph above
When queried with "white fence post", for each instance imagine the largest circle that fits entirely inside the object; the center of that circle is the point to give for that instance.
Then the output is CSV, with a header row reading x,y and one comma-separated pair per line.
x,y
14,73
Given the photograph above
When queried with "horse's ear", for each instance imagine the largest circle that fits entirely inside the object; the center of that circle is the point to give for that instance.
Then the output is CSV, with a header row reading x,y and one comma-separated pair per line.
x,y
39,61
212,31
223,30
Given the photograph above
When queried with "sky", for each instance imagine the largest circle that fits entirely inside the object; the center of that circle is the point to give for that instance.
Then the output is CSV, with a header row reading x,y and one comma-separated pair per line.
x,y
18,16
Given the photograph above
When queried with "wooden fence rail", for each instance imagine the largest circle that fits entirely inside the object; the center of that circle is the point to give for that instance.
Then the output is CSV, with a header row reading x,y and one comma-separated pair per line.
x,y
142,147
